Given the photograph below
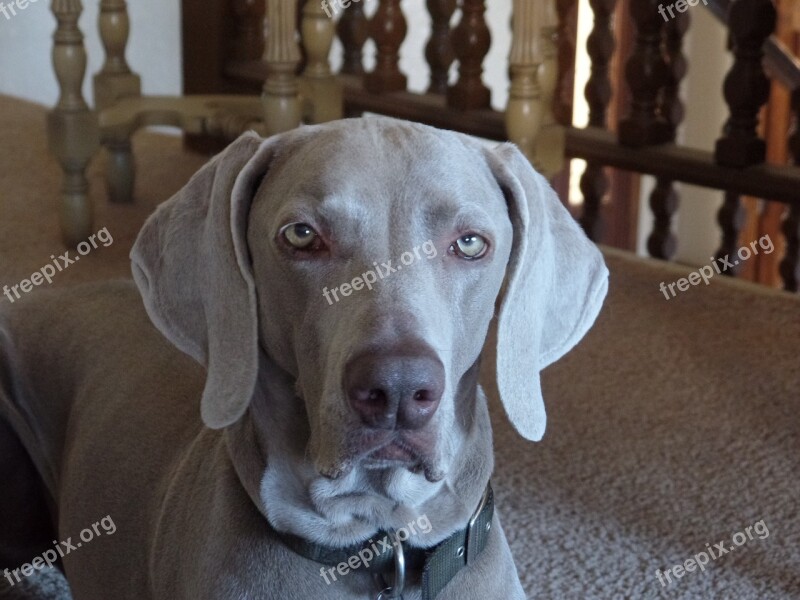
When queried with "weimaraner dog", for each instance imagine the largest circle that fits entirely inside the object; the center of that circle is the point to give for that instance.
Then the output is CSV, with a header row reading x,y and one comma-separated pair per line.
x,y
324,298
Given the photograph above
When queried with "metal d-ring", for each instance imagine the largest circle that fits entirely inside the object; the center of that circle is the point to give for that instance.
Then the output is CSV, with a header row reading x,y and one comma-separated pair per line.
x,y
395,591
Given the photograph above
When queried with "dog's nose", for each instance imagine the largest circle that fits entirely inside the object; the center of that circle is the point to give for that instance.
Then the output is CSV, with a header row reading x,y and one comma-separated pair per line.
x,y
395,390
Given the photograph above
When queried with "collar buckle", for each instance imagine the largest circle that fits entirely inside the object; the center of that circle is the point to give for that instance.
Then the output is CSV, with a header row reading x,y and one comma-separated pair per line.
x,y
394,591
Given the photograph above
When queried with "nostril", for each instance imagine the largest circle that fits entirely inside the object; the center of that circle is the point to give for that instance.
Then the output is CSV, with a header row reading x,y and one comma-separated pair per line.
x,y
423,396
376,396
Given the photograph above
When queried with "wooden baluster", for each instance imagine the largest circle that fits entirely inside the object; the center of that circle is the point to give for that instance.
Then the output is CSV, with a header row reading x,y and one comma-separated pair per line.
x,y
321,91
282,54
471,41
790,265
746,86
248,41
646,73
114,81
525,110
388,29
439,50
566,35
731,216
600,46
550,144
353,30
72,128
664,199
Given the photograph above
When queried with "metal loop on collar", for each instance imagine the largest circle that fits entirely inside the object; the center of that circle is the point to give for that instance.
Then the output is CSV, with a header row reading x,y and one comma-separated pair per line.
x,y
395,591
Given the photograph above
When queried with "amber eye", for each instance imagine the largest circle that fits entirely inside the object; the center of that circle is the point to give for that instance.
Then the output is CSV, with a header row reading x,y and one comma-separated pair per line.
x,y
470,246
301,236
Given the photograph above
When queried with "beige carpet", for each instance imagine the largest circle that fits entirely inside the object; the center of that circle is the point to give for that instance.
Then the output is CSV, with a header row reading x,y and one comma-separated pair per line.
x,y
673,426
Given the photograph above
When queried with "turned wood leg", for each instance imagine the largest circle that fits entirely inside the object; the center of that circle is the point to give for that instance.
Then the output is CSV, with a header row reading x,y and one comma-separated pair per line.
x,y
72,128
115,81
280,97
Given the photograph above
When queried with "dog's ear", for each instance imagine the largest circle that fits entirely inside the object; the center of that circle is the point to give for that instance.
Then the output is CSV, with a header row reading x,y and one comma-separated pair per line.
x,y
555,284
192,267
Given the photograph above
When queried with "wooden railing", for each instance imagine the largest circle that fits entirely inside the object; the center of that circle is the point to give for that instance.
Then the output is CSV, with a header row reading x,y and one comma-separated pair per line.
x,y
641,140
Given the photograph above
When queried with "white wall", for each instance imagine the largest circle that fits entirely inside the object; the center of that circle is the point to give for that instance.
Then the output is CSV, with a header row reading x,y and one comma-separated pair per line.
x,y
154,50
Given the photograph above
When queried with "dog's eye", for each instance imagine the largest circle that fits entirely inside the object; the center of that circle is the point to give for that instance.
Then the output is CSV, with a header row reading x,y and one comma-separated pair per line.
x,y
301,237
470,246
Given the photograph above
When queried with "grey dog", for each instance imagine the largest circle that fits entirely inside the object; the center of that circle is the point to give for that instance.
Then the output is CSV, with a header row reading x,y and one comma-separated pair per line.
x,y
323,428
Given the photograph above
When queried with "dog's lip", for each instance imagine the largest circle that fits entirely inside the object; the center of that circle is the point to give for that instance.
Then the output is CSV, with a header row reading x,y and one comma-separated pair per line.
x,y
395,451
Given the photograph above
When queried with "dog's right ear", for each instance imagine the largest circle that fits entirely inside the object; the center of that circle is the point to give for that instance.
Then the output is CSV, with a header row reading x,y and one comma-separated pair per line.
x,y
192,267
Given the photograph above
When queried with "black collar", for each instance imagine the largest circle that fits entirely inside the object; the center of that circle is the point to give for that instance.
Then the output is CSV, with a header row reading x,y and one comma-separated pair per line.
x,y
439,564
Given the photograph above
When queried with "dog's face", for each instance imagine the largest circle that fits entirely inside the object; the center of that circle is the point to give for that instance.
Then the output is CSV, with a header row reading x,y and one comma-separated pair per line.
x,y
385,282
338,281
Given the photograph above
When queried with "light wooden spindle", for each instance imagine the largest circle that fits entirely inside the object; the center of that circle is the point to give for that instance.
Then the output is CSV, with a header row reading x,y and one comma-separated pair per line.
x,y
388,30
790,265
646,73
549,148
746,86
471,41
525,109
322,92
72,128
600,47
664,200
282,54
353,31
114,81
439,50
248,41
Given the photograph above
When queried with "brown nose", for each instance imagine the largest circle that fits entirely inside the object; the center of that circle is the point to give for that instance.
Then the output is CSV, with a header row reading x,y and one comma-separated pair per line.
x,y
395,390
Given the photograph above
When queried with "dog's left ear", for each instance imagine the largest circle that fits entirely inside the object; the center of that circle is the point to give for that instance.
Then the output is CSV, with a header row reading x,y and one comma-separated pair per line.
x,y
192,267
555,284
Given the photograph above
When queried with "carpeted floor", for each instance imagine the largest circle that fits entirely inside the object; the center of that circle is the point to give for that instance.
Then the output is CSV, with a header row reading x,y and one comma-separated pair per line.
x,y
674,426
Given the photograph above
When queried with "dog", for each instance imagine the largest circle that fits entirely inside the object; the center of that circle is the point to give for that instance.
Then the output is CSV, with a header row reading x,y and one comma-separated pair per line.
x,y
325,428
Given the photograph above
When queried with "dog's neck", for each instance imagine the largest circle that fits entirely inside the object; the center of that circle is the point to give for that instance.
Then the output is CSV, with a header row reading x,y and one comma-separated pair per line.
x,y
268,449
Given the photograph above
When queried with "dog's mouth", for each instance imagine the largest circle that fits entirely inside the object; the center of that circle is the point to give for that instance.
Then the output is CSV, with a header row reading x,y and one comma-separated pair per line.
x,y
377,450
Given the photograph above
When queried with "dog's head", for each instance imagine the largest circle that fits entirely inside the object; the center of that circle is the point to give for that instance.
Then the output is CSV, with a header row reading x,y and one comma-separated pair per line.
x,y
363,260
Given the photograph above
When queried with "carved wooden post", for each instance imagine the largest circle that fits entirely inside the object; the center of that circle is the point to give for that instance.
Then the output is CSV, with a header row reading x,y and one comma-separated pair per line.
x,y
471,40
525,110
439,50
790,265
322,92
664,200
746,86
248,41
72,128
388,29
646,74
282,54
114,81
353,30
600,47
730,217
550,144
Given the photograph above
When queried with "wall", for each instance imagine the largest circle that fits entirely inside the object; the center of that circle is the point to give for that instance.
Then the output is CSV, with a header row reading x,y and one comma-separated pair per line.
x,y
26,41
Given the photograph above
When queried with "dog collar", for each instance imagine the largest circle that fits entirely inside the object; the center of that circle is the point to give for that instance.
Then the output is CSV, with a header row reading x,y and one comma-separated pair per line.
x,y
439,563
